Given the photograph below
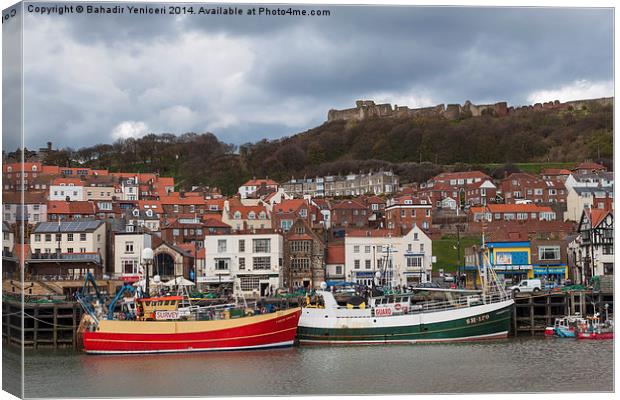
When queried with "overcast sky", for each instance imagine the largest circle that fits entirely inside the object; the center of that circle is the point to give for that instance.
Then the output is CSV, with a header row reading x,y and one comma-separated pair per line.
x,y
91,78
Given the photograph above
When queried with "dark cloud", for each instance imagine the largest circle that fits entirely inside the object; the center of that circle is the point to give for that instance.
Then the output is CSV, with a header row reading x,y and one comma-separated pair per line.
x,y
245,78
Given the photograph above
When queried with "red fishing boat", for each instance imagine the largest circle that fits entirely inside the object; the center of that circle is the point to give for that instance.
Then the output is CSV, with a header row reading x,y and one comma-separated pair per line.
x,y
163,324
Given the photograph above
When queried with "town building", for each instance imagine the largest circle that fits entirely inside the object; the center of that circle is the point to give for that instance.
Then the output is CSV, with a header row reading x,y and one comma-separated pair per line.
x,y
521,187
248,262
335,262
66,189
242,217
70,210
595,253
349,214
68,249
128,248
404,212
602,179
249,188
285,213
401,260
304,257
581,198
33,204
373,182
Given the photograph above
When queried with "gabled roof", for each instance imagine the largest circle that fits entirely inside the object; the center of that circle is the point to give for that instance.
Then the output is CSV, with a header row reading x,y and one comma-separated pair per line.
x,y
348,205
516,208
597,216
289,206
245,210
590,165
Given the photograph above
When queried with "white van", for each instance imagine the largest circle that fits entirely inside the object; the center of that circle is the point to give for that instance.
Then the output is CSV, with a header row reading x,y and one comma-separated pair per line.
x,y
526,286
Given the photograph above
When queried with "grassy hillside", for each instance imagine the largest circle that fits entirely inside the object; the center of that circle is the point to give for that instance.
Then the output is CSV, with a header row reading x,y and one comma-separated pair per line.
x,y
444,250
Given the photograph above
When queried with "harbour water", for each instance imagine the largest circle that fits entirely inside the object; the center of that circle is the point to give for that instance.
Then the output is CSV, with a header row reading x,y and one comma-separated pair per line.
x,y
513,365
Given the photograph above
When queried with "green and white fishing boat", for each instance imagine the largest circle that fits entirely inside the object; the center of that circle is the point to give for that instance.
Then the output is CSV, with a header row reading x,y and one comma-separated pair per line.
x,y
443,315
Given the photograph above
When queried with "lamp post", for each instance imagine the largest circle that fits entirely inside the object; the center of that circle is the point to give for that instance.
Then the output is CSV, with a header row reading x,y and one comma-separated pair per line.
x,y
147,259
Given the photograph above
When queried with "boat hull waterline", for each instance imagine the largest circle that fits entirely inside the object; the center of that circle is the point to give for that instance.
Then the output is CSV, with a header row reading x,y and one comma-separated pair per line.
x,y
490,321
263,331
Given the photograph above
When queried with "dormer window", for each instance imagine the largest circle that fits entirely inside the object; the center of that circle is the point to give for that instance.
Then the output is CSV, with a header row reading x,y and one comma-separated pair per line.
x,y
149,213
34,168
9,169
262,215
136,213
251,215
237,215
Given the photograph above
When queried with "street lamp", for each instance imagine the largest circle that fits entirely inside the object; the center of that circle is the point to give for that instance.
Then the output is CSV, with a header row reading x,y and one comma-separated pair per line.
x,y
147,259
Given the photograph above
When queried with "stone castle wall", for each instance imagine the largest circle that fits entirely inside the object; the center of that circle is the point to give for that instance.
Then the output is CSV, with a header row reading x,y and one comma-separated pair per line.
x,y
367,108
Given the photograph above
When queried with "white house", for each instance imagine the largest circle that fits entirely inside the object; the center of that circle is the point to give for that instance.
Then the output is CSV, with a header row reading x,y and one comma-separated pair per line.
x,y
252,262
128,248
603,179
66,188
581,198
251,186
85,237
402,260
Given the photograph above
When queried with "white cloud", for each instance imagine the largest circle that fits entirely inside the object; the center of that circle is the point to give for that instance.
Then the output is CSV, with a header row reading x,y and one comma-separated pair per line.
x,y
578,90
129,129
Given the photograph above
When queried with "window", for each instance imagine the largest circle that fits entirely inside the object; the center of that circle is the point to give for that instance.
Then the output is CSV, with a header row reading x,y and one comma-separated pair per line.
x,y
241,245
421,247
521,216
129,247
538,192
70,250
221,264
59,237
261,245
338,269
356,249
415,236
413,213
37,237
549,253
242,263
82,237
69,237
414,262
301,245
367,249
303,213
175,232
261,262
251,215
300,230
356,264
367,264
249,283
608,249
300,264
221,246
286,224
82,249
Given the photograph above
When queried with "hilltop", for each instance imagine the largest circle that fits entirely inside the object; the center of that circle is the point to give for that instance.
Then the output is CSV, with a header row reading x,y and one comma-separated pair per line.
x,y
415,146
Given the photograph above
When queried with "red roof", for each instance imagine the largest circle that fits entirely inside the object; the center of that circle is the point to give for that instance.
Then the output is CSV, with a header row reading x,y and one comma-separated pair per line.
x,y
555,171
597,216
68,181
25,167
258,182
348,205
175,199
215,223
515,208
245,210
146,204
591,165
70,207
287,206
335,254
188,247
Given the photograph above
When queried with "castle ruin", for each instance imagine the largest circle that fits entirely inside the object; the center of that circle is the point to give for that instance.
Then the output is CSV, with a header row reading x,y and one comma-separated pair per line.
x,y
365,109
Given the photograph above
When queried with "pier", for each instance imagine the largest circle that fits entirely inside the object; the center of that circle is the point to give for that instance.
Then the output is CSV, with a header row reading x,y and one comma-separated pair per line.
x,y
534,312
45,325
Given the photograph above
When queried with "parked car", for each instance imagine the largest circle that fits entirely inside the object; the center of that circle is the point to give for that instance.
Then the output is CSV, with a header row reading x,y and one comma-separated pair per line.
x,y
527,286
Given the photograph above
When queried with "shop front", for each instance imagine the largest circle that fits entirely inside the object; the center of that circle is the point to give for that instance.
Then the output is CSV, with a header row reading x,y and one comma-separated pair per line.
x,y
551,273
